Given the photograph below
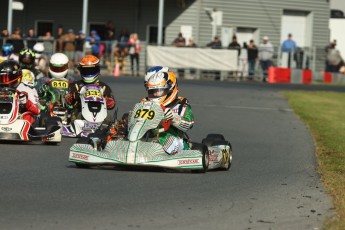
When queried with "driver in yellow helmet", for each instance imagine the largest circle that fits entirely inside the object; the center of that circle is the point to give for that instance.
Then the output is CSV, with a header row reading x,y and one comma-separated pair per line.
x,y
162,89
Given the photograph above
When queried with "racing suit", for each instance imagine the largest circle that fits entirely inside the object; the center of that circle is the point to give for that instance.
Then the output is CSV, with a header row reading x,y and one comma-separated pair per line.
x,y
183,120
72,98
28,100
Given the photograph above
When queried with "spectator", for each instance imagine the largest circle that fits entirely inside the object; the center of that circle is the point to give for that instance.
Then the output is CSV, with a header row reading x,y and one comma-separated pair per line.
x,y
16,39
252,57
334,59
134,50
289,46
79,47
180,41
68,45
30,38
265,56
191,43
121,48
109,39
59,33
4,34
216,43
235,45
94,41
48,41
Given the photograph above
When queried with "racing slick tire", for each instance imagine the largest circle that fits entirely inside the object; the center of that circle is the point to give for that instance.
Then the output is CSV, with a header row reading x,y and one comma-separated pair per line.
x,y
83,140
52,125
205,156
228,161
211,138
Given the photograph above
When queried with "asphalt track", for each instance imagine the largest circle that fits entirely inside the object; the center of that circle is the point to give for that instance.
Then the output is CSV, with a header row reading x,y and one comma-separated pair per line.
x,y
273,182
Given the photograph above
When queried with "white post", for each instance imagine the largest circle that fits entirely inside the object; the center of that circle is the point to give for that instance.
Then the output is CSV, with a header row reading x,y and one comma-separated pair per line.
x,y
9,18
85,9
160,22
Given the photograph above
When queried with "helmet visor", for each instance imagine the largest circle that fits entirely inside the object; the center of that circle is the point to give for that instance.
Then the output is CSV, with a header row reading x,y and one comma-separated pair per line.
x,y
6,78
157,92
91,71
58,68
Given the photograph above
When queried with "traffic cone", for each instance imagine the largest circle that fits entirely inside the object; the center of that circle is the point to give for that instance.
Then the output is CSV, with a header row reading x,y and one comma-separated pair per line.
x,y
117,70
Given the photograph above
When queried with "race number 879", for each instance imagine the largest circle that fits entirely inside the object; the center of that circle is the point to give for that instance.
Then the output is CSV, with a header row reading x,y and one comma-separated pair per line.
x,y
144,113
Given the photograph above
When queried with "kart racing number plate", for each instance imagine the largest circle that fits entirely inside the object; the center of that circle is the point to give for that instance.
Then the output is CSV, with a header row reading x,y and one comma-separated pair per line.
x,y
59,84
93,93
89,126
145,114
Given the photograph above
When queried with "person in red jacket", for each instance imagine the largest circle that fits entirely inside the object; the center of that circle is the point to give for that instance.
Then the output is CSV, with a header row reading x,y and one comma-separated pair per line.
x,y
89,68
12,76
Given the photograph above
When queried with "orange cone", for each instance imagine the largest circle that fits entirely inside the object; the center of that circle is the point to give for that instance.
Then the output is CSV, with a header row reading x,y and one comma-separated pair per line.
x,y
117,70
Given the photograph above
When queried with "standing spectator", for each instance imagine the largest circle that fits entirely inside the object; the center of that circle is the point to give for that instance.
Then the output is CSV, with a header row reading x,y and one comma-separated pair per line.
x,y
16,39
94,41
48,41
134,50
216,43
59,33
68,46
265,56
289,46
334,59
180,41
121,48
109,39
30,38
79,47
235,45
252,57
4,34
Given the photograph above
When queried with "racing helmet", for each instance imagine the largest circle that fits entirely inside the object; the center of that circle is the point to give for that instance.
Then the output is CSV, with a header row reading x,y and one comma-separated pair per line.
x,y
7,49
27,58
162,88
89,68
38,49
58,65
151,71
10,74
28,78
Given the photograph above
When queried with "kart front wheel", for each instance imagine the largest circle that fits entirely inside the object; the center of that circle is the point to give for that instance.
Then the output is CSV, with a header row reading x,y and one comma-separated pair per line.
x,y
205,156
228,160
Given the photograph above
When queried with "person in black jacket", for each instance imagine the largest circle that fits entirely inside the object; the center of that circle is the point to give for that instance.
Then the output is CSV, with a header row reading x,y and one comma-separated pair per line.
x,y
252,57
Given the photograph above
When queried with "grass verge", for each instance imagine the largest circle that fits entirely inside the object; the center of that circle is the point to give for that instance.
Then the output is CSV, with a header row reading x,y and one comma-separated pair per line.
x,y
324,114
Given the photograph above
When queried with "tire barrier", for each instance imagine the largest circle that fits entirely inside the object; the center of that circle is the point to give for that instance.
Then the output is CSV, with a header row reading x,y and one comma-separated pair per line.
x,y
301,76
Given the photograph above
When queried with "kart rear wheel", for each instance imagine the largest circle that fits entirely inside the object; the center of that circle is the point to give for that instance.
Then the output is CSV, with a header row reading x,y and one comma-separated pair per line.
x,y
211,138
228,161
83,140
205,156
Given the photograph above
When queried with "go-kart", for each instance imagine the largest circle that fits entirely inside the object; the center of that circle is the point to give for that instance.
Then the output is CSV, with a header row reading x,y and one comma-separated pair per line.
x,y
141,147
14,128
93,113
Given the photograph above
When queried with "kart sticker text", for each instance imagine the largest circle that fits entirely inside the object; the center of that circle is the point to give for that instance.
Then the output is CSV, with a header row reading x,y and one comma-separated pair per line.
x,y
60,84
93,93
145,113
80,156
188,161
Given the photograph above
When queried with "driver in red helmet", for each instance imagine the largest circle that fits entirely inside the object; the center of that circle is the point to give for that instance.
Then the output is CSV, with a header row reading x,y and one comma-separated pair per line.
x,y
162,89
12,76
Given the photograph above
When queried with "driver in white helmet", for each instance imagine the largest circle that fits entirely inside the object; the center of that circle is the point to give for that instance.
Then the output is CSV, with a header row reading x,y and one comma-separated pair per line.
x,y
53,89
162,89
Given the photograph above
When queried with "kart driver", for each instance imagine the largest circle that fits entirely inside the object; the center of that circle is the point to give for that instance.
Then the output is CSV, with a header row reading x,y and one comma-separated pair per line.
x,y
89,68
153,70
12,76
162,89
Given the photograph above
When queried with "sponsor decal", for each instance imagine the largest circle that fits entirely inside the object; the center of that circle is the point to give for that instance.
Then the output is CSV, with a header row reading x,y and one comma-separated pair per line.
x,y
80,156
188,161
213,158
6,129
4,117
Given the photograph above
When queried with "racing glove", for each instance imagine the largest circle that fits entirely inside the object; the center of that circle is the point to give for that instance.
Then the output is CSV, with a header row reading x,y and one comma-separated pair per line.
x,y
170,115
69,99
110,102
32,107
23,97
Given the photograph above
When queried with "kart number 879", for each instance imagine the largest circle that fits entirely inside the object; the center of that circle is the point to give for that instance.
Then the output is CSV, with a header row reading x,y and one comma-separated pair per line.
x,y
144,113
